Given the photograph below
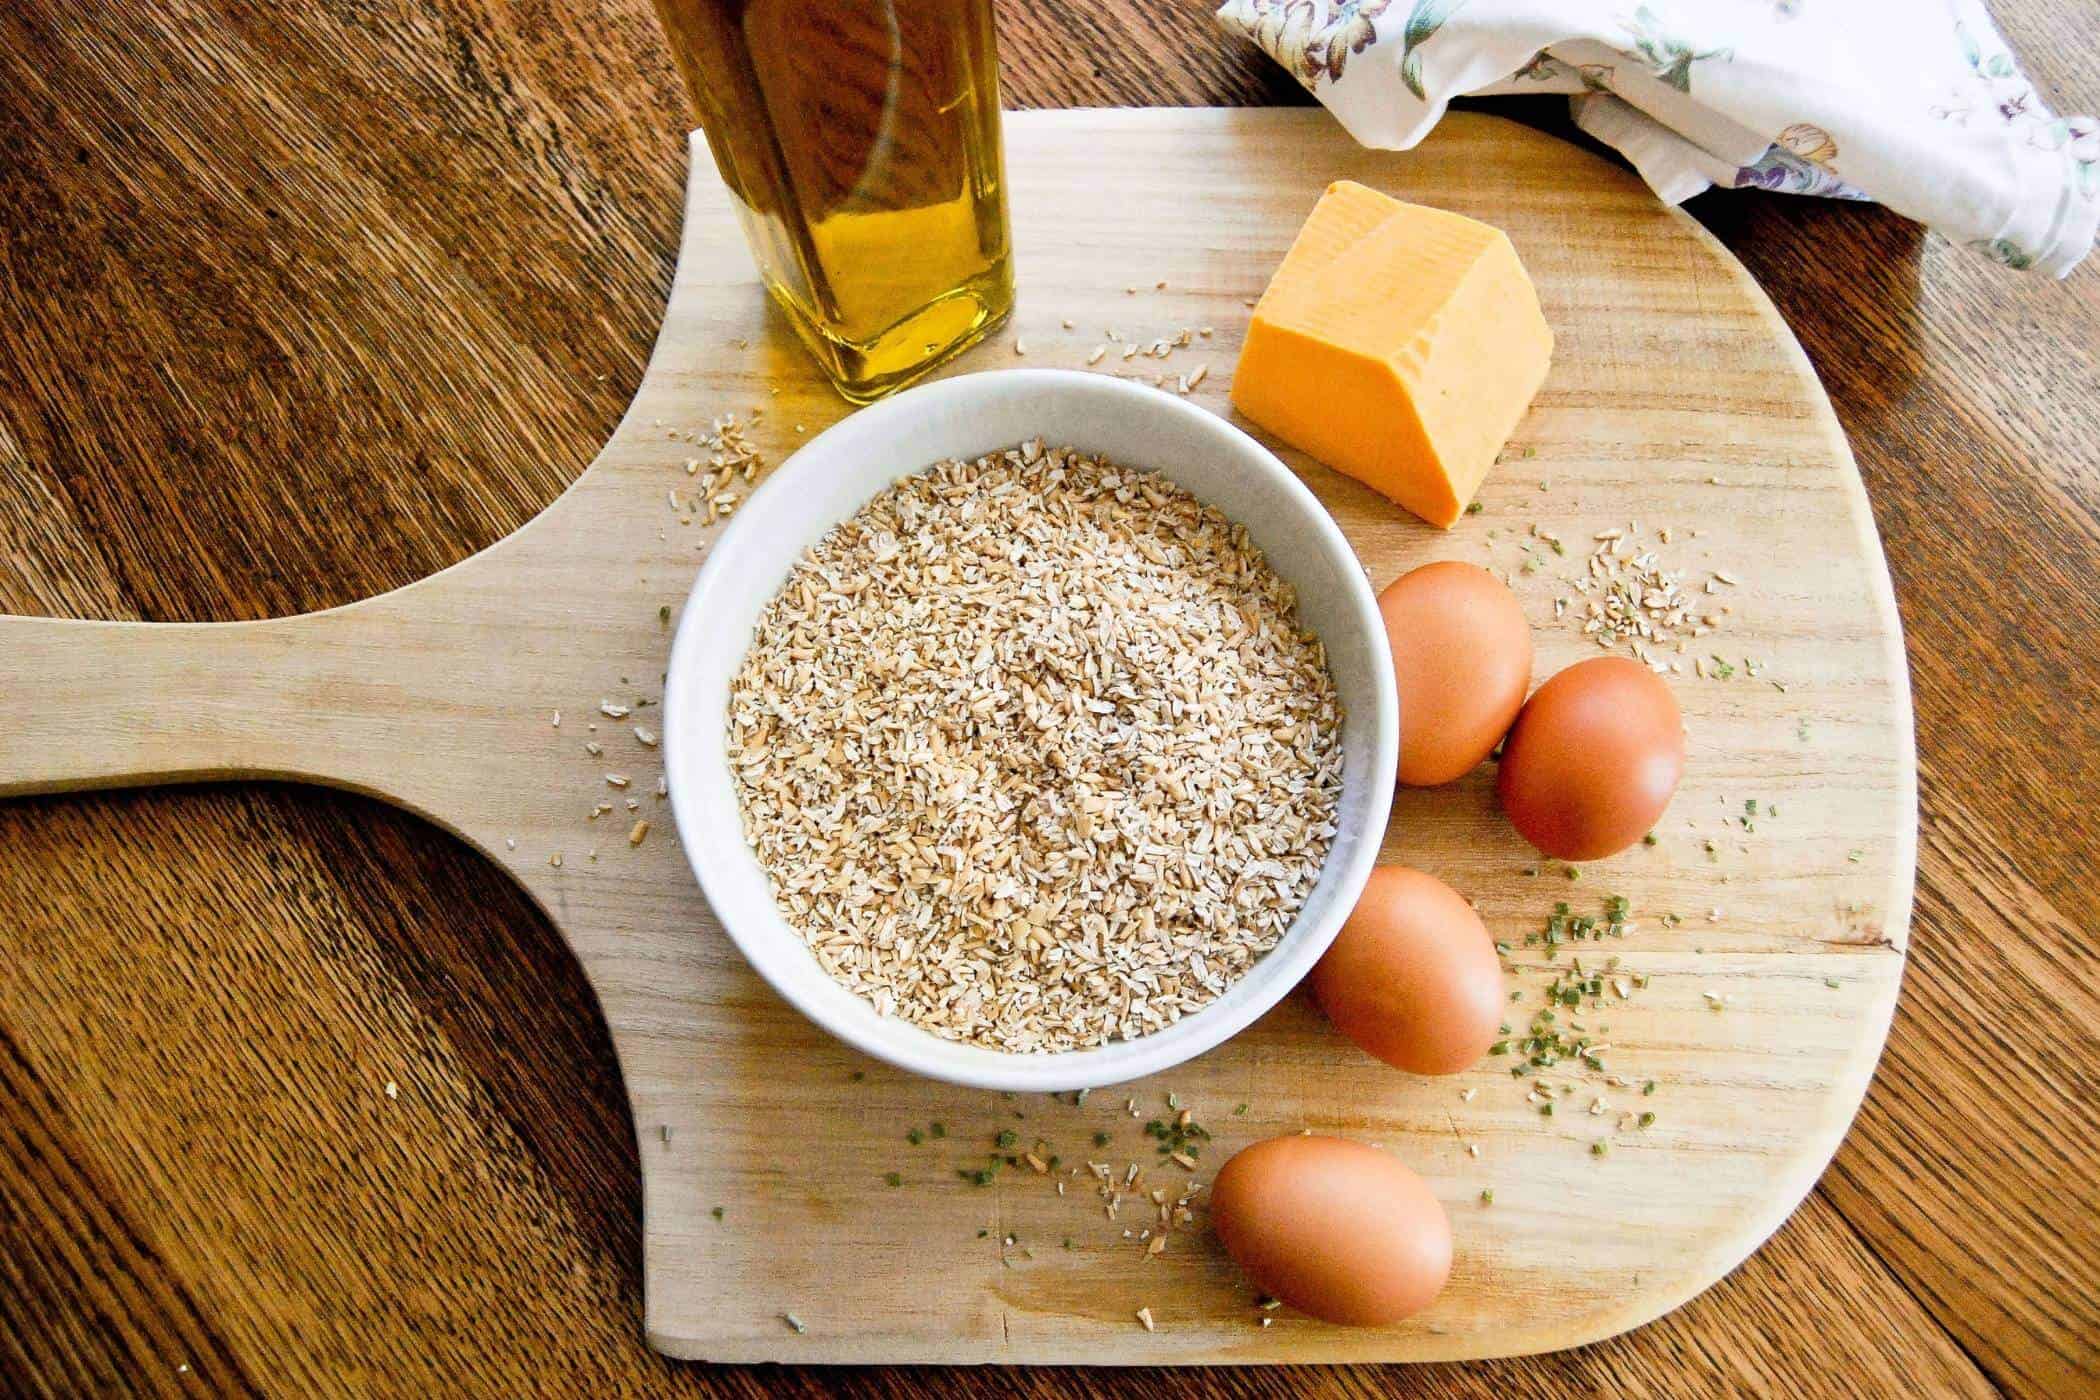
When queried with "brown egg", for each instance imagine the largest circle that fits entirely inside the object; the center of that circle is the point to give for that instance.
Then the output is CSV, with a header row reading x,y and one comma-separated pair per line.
x,y
1413,977
1334,1228
1593,759
1462,657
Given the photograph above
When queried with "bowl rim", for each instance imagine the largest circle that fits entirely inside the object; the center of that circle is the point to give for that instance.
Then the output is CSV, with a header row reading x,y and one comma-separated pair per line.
x,y
1278,971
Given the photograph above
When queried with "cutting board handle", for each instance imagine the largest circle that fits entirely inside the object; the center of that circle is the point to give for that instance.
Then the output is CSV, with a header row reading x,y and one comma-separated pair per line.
x,y
111,704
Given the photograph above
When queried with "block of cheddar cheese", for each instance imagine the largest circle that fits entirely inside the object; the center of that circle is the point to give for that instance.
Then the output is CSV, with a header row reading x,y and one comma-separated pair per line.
x,y
1398,344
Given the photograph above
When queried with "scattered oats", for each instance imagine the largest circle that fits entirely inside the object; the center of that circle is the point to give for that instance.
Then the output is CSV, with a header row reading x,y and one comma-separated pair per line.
x,y
638,833
618,780
1144,1315
1095,358
1066,323
664,1131
1035,752
1468,1095
510,843
393,1090
555,860
612,711
794,1322
1019,347
1627,597
600,810
645,737
663,785
1196,376
557,719
593,748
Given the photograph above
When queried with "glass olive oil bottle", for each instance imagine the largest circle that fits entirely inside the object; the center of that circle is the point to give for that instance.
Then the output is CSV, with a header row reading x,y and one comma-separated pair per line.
x,y
861,139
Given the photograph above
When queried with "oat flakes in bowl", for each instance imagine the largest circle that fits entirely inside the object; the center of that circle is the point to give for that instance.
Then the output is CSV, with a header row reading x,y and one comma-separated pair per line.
x,y
1035,752
1232,723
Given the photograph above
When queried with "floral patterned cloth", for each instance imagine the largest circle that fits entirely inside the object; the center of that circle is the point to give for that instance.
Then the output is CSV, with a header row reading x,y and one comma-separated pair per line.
x,y
1915,103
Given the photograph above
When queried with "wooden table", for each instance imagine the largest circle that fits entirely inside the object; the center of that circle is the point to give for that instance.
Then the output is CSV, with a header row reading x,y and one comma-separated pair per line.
x,y
302,303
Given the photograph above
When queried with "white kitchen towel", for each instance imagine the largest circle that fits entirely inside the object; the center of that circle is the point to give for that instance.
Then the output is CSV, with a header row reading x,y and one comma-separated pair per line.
x,y
1917,104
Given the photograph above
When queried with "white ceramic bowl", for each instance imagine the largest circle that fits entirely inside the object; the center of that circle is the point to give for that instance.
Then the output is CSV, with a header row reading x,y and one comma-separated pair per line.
x,y
838,472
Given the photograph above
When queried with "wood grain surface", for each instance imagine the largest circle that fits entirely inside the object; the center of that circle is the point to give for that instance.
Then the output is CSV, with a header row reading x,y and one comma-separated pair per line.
x,y
304,305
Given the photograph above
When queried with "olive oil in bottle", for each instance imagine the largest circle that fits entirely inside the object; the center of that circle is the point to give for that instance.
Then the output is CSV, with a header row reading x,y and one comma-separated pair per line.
x,y
861,140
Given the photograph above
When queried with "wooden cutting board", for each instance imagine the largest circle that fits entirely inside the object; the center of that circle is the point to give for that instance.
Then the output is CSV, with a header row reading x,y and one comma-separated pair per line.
x,y
1677,400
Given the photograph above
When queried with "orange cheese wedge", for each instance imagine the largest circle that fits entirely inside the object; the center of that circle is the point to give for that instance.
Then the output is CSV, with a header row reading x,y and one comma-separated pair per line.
x,y
1398,344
